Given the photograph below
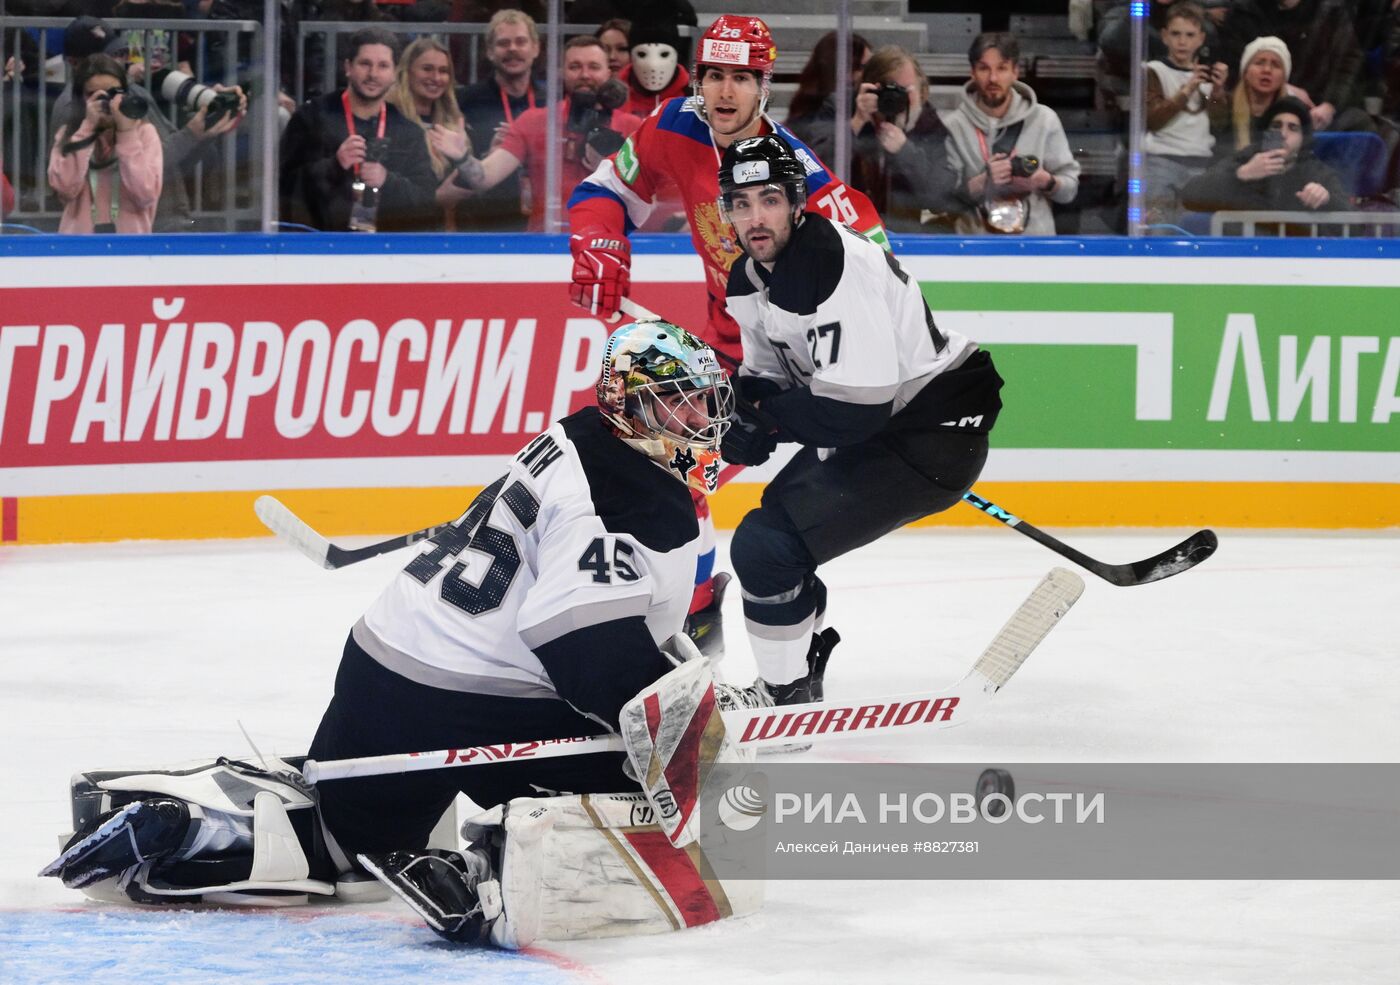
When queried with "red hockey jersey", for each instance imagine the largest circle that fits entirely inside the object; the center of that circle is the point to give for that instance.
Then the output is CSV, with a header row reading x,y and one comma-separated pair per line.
x,y
674,142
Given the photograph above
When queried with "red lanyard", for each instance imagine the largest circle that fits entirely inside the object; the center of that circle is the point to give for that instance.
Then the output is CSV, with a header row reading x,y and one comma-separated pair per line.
x,y
350,120
505,101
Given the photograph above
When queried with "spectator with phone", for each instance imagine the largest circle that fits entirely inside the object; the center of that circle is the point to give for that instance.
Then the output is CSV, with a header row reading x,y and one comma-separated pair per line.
x,y
106,164
1279,174
1007,151
351,161
1186,97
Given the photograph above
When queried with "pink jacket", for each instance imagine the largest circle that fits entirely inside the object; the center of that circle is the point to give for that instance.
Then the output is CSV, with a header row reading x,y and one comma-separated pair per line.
x,y
140,165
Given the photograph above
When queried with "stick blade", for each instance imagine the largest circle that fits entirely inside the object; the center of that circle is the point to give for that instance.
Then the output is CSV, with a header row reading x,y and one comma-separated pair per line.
x,y
293,530
1183,557
1037,615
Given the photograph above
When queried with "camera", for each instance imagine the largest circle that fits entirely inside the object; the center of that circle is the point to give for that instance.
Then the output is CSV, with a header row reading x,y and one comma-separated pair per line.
x,y
179,89
589,113
376,150
891,100
1203,55
133,107
1024,165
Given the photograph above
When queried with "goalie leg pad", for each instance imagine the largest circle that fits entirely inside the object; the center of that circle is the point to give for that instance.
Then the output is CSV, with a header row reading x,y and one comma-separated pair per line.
x,y
243,841
121,839
594,866
674,735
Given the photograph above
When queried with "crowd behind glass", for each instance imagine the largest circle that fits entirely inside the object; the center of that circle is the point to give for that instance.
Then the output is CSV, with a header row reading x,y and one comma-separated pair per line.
x,y
396,115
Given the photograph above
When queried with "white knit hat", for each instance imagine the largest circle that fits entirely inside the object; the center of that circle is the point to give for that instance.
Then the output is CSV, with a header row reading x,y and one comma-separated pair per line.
x,y
1269,43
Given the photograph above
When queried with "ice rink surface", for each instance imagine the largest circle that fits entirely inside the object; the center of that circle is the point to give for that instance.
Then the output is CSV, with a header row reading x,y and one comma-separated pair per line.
x,y
1281,648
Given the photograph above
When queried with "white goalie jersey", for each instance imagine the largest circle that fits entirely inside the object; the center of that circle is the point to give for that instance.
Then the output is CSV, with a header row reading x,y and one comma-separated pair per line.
x,y
569,553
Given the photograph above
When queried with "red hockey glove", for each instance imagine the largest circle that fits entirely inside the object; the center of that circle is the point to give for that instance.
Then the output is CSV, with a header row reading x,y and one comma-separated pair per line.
x,y
601,272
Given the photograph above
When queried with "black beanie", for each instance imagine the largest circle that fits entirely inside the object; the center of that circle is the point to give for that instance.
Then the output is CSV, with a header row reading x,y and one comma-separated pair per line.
x,y
1290,104
655,30
86,36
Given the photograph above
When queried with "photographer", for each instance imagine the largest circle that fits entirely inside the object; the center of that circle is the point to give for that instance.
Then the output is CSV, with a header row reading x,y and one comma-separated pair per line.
x,y
1007,152
589,121
901,153
350,161
106,163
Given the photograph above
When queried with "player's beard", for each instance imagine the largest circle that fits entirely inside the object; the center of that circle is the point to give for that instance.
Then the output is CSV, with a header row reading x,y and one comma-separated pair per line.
x,y
767,250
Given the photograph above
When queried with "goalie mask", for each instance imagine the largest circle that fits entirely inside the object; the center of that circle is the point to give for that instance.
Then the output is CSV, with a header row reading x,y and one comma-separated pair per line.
x,y
663,392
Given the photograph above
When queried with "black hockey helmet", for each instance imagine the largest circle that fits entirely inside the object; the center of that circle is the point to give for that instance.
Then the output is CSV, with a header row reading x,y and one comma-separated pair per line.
x,y
761,161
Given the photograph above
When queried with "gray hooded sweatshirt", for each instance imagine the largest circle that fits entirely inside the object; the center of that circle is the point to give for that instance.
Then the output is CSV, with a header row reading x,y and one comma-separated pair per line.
x,y
1041,136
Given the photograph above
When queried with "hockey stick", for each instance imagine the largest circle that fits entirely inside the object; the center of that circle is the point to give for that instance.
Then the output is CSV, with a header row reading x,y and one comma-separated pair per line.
x,y
756,728
1189,553
295,531
1173,561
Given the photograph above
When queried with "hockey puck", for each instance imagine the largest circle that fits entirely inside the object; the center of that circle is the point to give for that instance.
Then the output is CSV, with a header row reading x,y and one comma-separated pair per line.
x,y
994,781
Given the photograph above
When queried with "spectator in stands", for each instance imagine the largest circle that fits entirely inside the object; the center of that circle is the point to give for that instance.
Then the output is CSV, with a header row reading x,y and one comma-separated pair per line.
x,y
1390,102
490,106
589,130
1007,152
616,35
105,166
1327,56
349,160
654,72
900,153
1279,174
425,93
1115,37
183,148
812,111
1264,70
1185,100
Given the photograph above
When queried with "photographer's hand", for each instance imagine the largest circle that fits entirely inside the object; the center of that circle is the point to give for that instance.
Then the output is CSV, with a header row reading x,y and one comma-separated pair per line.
x,y
374,174
866,102
351,151
892,138
98,115
199,124
120,120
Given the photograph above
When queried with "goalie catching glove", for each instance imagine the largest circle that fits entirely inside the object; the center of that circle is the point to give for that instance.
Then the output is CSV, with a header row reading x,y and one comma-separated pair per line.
x,y
602,272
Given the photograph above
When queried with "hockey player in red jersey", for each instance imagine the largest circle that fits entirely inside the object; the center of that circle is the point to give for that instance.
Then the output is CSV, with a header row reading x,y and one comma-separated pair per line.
x,y
683,141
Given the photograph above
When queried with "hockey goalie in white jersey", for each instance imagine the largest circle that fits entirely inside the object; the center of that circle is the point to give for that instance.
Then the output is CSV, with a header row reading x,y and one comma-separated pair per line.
x,y
539,614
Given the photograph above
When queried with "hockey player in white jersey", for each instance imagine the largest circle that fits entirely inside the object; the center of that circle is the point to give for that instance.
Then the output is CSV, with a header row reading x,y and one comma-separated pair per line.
x,y
842,356
537,615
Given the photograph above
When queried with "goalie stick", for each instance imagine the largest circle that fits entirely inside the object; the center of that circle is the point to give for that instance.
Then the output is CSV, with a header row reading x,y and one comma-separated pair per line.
x,y
295,531
780,725
1189,553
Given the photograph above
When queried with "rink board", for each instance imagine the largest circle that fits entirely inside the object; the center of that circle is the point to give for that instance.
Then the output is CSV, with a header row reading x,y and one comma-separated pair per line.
x,y
152,387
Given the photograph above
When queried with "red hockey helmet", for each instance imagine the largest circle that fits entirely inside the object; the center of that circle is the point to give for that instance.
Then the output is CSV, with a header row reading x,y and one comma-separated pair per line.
x,y
739,42
735,41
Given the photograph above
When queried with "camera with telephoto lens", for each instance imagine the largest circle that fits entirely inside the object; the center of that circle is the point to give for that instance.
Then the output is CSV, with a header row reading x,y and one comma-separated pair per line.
x,y
133,107
1024,165
589,114
179,89
891,100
